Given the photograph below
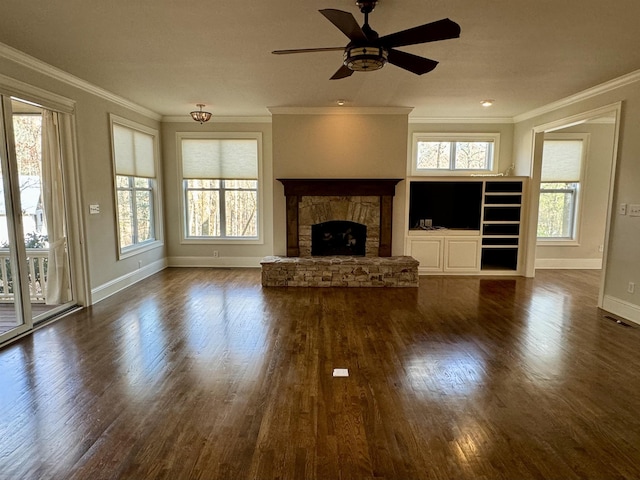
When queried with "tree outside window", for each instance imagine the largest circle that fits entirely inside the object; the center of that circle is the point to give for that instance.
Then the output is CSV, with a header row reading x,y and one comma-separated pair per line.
x,y
556,214
135,210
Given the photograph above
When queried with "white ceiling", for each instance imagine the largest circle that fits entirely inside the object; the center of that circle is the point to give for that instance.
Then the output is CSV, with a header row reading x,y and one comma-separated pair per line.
x,y
168,55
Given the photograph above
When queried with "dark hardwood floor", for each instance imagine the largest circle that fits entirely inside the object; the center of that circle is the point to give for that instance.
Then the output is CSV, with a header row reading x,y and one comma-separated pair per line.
x,y
202,374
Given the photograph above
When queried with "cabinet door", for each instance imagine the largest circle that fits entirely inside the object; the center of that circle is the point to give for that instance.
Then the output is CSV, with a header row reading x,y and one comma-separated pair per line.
x,y
428,251
462,254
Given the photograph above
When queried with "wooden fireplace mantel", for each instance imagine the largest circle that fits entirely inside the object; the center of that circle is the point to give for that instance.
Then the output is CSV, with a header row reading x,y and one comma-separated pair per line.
x,y
296,188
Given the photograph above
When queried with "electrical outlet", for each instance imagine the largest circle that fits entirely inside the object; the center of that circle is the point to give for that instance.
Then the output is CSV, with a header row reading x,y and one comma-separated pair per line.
x,y
94,209
215,254
600,248
622,209
634,210
631,287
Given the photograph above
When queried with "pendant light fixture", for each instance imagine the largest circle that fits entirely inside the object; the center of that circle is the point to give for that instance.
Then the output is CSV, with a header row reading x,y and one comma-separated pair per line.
x,y
200,115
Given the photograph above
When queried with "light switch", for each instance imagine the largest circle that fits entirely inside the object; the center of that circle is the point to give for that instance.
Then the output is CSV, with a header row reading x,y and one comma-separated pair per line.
x,y
94,209
634,210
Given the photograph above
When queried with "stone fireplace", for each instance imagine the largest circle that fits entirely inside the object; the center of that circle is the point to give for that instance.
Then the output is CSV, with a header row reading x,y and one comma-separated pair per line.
x,y
339,235
368,202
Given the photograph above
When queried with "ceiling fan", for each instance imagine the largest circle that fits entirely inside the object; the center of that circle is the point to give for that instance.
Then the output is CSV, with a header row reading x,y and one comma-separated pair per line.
x,y
367,51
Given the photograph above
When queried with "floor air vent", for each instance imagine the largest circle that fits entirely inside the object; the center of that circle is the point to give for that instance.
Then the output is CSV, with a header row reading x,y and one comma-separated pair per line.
x,y
619,322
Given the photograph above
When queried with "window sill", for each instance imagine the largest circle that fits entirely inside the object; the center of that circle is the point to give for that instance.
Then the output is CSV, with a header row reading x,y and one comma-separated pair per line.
x,y
456,173
570,242
221,241
137,249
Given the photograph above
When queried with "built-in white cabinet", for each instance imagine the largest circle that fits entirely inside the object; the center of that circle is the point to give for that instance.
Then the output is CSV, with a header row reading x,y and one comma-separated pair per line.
x,y
438,254
466,225
461,254
429,251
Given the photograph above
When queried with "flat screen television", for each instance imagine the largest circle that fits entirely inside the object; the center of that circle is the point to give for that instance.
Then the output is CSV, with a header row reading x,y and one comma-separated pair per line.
x,y
452,205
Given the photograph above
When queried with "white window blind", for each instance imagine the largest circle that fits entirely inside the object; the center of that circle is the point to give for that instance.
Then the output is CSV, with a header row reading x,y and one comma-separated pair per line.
x,y
561,161
133,152
220,159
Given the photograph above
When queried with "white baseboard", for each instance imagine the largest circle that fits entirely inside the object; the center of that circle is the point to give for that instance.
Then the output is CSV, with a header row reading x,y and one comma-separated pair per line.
x,y
120,283
621,308
228,262
569,263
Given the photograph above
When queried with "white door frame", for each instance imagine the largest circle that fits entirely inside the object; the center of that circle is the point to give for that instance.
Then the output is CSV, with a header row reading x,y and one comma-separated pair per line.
x,y
534,184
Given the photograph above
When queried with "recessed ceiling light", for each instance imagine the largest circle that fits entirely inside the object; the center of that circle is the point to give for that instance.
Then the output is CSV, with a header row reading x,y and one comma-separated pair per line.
x,y
487,103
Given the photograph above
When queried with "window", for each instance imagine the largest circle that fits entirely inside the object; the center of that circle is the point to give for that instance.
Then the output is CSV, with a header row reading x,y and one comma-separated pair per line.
x,y
453,154
221,186
562,159
134,157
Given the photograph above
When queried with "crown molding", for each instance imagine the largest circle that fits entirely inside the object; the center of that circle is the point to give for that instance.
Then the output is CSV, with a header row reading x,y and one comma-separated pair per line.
x,y
340,110
605,87
33,63
239,119
496,120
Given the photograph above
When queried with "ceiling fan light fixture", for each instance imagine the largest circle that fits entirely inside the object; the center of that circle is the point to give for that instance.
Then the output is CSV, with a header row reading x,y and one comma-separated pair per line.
x,y
365,59
200,115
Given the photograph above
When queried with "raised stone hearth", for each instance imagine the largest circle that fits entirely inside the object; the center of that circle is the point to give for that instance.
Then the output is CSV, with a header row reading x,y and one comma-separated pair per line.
x,y
339,271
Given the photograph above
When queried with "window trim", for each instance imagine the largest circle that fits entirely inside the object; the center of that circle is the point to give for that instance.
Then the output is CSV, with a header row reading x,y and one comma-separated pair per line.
x,y
573,241
158,241
184,240
453,137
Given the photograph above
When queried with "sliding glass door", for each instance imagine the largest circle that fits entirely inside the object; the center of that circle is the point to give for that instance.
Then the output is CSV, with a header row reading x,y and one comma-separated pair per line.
x,y
35,281
14,320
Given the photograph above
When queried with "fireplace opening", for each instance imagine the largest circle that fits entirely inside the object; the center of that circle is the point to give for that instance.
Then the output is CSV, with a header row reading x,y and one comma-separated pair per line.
x,y
338,237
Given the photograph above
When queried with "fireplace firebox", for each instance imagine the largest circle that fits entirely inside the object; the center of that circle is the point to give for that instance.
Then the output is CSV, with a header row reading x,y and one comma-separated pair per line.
x,y
338,237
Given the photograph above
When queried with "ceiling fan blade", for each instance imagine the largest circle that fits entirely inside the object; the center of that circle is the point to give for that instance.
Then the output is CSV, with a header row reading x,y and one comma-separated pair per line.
x,y
343,72
307,50
430,32
346,22
413,63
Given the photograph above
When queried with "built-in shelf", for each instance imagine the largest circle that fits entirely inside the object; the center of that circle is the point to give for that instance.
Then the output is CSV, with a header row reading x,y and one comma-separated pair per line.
x,y
492,205
502,212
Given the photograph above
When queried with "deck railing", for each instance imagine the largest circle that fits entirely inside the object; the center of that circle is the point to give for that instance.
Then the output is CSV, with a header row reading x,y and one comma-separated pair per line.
x,y
37,270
